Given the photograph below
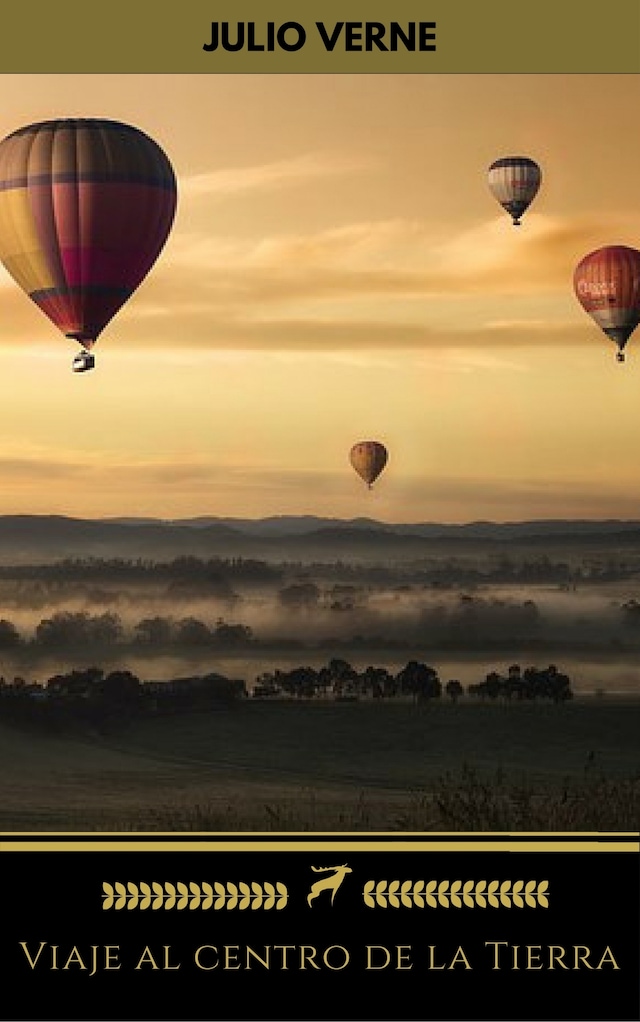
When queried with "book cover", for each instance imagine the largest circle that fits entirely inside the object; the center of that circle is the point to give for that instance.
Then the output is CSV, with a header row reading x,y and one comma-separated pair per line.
x,y
318,529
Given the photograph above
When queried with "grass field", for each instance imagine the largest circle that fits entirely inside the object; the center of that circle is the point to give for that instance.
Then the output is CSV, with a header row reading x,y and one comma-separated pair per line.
x,y
335,766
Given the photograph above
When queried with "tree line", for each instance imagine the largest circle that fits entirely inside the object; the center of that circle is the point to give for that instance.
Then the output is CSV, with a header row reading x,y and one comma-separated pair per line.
x,y
80,629
92,696
471,622
105,700
338,679
220,573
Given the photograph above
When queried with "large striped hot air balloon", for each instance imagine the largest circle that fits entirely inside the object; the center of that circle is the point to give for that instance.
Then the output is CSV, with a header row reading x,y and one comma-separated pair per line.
x,y
368,458
514,181
607,285
86,206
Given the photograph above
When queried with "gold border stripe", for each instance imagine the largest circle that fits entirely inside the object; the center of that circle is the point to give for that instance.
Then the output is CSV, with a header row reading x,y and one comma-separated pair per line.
x,y
631,844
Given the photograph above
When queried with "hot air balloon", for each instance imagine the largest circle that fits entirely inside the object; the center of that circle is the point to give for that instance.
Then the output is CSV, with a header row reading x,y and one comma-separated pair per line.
x,y
514,181
86,206
368,458
607,285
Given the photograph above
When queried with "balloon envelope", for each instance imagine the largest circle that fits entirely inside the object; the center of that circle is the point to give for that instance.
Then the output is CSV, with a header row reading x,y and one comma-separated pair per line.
x,y
514,181
607,285
368,458
86,206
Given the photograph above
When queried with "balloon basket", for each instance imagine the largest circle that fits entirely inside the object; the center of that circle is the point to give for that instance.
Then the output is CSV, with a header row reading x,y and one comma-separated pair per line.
x,y
83,362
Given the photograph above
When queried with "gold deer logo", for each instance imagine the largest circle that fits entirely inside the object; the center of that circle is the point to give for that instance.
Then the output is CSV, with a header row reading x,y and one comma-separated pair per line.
x,y
330,883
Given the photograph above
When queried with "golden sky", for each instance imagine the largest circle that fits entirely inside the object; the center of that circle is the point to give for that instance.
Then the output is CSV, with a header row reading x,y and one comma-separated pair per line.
x,y
339,271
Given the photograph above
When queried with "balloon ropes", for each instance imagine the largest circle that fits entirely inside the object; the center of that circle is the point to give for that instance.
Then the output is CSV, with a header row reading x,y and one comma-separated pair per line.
x,y
514,181
607,285
368,458
86,206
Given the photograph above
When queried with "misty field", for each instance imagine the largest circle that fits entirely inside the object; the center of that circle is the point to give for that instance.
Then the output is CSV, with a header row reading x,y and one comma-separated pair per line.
x,y
468,607
290,765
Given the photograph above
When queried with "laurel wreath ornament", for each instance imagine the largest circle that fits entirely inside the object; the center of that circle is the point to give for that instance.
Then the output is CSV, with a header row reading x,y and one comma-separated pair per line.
x,y
376,894
193,896
456,894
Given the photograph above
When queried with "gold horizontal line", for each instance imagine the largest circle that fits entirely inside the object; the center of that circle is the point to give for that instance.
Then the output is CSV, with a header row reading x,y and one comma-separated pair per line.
x,y
323,844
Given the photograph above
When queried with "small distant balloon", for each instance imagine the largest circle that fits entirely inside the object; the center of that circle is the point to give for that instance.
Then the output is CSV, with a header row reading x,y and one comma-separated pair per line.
x,y
86,205
368,458
607,285
514,181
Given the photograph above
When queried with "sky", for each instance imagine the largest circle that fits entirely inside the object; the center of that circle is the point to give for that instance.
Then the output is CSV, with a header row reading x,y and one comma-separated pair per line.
x,y
339,271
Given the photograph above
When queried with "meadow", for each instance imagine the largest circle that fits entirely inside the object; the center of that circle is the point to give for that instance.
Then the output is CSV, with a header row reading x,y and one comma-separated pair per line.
x,y
369,765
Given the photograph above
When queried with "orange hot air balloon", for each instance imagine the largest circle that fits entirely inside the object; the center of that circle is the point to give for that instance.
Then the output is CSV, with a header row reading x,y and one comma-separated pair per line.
x,y
368,458
514,181
86,206
607,285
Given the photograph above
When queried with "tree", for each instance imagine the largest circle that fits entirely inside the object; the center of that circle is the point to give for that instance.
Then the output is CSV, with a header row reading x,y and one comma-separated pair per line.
x,y
419,680
514,685
63,629
454,690
153,631
120,688
493,685
84,683
267,684
631,612
105,629
232,635
547,683
343,597
378,682
9,635
299,596
192,632
301,682
340,676
79,629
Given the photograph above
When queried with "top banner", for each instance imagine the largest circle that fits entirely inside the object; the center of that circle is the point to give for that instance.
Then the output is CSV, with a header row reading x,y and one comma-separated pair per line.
x,y
337,36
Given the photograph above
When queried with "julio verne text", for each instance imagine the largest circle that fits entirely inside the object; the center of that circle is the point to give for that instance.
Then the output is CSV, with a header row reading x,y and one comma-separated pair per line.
x,y
350,36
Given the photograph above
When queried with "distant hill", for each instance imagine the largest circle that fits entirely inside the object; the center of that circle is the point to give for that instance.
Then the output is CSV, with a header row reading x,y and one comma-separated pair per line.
x,y
276,525
303,525
45,538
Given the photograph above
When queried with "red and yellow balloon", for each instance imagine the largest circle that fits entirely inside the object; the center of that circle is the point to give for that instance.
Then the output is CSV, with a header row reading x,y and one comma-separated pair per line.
x,y
607,285
86,206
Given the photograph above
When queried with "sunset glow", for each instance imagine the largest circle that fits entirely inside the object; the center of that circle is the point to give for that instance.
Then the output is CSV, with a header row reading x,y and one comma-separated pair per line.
x,y
339,271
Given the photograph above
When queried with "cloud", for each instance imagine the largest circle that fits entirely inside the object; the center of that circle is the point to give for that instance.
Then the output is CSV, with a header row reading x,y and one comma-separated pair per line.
x,y
173,315
484,497
391,246
411,254
392,284
266,176
200,327
397,261
541,254
40,468
15,470
172,488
